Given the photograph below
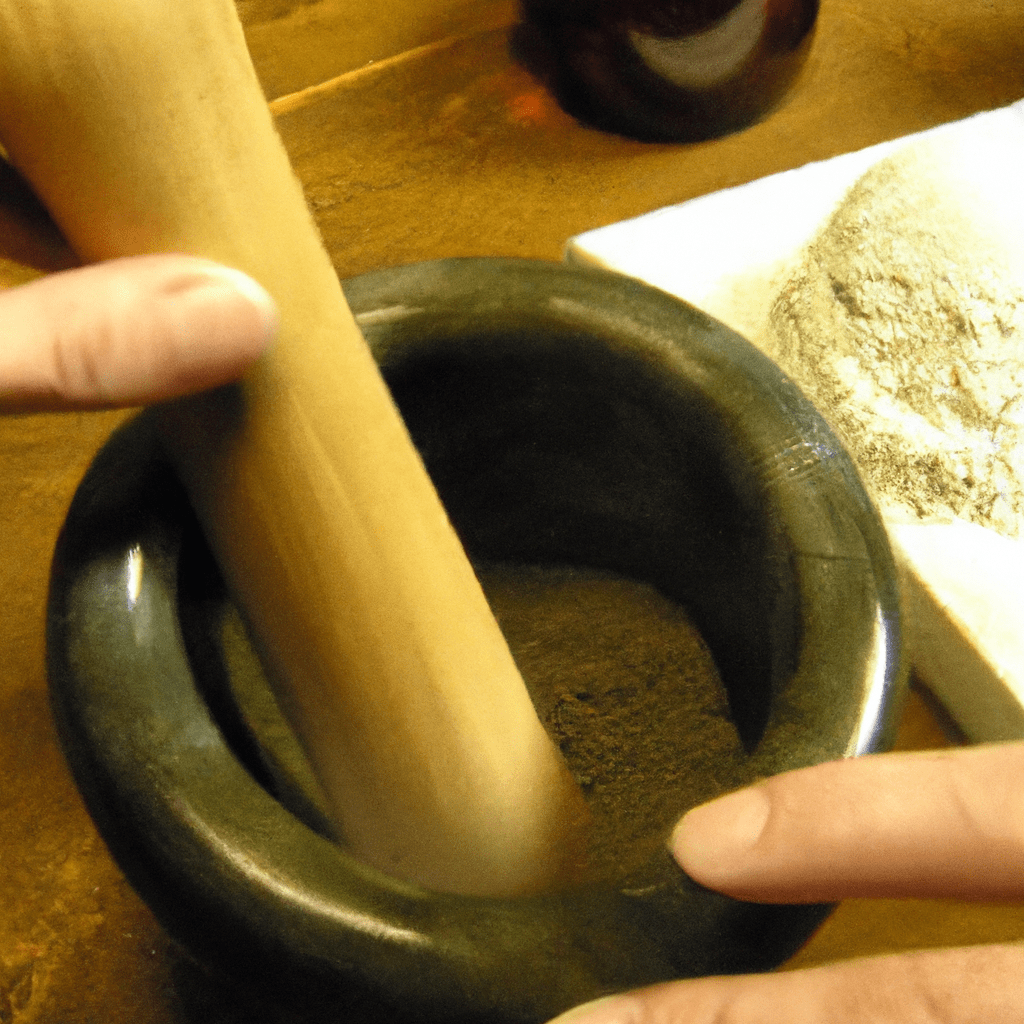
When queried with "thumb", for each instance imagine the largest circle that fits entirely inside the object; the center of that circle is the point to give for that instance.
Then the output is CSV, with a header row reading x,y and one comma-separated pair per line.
x,y
953,986
130,331
928,824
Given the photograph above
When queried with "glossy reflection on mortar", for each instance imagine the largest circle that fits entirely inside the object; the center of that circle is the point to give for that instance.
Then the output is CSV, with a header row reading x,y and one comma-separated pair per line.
x,y
566,417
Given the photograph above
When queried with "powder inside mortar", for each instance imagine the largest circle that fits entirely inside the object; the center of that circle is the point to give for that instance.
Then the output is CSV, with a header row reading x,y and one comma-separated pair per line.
x,y
621,679
627,688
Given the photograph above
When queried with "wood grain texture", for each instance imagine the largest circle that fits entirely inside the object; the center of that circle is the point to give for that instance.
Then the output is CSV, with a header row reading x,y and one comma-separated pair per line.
x,y
295,44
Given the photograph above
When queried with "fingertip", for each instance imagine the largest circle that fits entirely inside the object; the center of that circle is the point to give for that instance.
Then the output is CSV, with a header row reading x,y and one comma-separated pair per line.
x,y
221,289
210,324
178,325
714,841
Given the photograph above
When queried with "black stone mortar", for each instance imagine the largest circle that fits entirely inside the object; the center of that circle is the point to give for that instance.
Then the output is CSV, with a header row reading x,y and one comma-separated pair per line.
x,y
566,416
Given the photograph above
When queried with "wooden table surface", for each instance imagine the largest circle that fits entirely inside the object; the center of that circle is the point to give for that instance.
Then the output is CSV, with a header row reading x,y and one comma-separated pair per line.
x,y
417,135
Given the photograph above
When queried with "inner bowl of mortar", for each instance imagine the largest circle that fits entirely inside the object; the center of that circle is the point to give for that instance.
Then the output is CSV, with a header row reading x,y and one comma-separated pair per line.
x,y
574,422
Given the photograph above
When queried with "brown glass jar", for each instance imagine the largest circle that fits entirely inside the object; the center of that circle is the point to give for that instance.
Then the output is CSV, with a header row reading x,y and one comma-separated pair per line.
x,y
668,70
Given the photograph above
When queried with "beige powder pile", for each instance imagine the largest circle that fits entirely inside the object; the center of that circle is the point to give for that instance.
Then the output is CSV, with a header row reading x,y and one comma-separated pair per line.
x,y
904,323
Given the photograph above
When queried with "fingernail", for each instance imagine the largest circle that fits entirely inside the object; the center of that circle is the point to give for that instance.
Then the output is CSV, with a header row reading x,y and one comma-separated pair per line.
x,y
606,1010
255,295
710,839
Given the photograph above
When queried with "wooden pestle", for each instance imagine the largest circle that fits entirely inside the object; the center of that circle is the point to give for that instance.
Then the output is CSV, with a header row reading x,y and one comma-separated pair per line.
x,y
142,127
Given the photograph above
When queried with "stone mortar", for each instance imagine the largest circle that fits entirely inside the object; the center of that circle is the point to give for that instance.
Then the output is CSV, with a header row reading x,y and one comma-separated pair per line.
x,y
567,416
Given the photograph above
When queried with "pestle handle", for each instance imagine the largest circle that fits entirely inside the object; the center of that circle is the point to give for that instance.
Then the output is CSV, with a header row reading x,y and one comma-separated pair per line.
x,y
142,127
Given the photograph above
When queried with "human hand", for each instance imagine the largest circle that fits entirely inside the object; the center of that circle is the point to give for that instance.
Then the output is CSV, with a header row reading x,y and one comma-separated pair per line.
x,y
129,332
930,824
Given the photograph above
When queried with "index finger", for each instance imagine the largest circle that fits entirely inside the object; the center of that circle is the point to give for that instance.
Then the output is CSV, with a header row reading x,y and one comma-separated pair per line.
x,y
927,824
130,331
